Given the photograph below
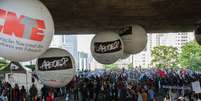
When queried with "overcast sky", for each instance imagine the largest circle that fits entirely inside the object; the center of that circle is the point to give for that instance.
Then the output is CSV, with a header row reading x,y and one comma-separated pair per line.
x,y
84,42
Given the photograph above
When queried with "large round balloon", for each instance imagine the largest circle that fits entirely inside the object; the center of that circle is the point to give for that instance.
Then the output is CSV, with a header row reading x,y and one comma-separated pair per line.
x,y
107,47
26,29
134,38
55,68
197,33
125,56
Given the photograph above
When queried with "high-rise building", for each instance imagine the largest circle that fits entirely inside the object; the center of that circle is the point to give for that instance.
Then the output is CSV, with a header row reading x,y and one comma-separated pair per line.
x,y
83,62
177,40
67,42
172,39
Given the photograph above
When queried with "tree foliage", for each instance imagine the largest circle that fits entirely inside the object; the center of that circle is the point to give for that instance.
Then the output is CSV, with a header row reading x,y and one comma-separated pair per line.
x,y
130,66
3,62
190,56
32,67
164,56
111,66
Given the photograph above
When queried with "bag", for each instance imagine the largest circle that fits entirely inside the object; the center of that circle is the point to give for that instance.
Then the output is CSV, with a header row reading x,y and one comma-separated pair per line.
x,y
5,92
102,88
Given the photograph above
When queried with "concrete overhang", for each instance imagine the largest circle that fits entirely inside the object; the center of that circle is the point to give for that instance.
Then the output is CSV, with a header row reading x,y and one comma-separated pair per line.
x,y
92,16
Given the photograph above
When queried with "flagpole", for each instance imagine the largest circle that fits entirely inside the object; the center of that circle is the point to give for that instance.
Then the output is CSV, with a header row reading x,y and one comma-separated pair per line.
x,y
11,72
27,81
132,61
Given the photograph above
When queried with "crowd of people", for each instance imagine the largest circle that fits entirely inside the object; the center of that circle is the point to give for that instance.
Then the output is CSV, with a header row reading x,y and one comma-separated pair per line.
x,y
9,93
137,85
16,93
121,85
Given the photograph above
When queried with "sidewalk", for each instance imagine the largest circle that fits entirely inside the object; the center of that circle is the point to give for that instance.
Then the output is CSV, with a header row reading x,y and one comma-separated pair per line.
x,y
59,99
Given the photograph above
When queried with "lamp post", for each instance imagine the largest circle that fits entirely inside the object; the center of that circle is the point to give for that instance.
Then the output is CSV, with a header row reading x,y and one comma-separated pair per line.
x,y
132,61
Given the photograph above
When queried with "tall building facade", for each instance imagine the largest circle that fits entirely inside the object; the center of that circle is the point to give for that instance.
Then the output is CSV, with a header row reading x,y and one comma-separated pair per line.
x,y
83,61
67,42
177,40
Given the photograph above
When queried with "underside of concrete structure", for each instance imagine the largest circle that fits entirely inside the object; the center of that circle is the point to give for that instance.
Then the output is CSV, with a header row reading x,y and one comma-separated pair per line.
x,y
92,16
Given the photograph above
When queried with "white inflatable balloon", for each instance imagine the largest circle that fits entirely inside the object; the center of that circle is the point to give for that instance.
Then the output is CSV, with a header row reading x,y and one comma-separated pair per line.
x,y
107,47
26,29
55,68
134,38
125,56
197,34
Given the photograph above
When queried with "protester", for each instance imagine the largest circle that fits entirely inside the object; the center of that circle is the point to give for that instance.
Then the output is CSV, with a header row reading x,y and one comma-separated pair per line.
x,y
23,94
16,93
144,95
151,94
44,93
33,93
50,96
4,92
139,97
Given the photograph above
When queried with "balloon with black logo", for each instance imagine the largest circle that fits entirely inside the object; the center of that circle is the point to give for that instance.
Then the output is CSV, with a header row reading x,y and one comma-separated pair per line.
x,y
55,68
134,38
197,33
107,47
26,29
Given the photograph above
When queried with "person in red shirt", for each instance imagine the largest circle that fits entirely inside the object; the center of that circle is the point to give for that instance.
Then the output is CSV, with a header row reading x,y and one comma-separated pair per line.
x,y
16,93
50,96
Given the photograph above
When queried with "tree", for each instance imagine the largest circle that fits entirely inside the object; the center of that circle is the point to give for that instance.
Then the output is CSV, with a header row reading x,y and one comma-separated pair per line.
x,y
190,56
32,67
3,62
130,66
111,66
164,56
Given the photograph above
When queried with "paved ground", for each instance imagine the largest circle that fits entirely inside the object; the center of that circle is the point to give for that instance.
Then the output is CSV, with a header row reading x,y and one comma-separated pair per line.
x,y
60,99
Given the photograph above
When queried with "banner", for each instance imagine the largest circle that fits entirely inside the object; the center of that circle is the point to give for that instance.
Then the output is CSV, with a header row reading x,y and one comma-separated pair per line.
x,y
107,47
54,63
196,87
177,87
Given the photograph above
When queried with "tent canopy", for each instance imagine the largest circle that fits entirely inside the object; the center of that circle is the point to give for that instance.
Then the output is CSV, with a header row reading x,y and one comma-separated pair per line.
x,y
15,67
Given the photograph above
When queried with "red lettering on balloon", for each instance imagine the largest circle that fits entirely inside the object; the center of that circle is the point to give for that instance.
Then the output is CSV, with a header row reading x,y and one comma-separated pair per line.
x,y
2,16
37,33
41,24
13,26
